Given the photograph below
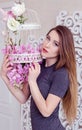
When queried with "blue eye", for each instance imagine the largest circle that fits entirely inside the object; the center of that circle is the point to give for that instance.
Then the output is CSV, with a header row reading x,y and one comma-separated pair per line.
x,y
56,43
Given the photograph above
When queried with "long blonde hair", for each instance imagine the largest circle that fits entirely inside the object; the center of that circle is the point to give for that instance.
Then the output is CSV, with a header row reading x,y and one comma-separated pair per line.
x,y
67,59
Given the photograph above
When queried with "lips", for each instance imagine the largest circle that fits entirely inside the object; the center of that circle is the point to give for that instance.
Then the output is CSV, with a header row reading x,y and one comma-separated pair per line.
x,y
44,50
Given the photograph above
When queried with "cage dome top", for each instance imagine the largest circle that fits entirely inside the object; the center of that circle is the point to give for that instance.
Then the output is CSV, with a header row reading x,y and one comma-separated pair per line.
x,y
32,21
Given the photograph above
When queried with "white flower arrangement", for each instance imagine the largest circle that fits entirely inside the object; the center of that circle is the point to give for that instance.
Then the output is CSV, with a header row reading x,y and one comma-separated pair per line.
x,y
15,16
18,9
12,24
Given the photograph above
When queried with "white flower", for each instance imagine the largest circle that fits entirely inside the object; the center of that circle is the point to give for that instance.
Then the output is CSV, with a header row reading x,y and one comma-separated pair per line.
x,y
12,24
18,9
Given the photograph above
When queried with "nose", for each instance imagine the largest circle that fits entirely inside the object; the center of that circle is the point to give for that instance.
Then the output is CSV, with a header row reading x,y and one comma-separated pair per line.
x,y
48,43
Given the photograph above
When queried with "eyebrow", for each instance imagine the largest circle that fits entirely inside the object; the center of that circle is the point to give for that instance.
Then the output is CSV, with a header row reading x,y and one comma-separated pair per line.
x,y
54,40
57,41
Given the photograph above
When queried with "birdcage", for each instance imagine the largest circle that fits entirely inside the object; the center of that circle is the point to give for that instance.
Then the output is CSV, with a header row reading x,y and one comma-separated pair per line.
x,y
22,41
26,34
31,28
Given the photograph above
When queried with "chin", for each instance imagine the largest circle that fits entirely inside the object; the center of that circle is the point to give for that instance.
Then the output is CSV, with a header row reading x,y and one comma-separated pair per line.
x,y
43,56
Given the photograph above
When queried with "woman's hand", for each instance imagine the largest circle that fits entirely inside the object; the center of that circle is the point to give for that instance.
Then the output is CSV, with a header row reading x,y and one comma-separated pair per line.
x,y
34,72
6,66
21,94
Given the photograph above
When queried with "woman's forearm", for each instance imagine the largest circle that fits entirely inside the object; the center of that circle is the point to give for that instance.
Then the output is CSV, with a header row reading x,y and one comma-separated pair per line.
x,y
45,106
38,99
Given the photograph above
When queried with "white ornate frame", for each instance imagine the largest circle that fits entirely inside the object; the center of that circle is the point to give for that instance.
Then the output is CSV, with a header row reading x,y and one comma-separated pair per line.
x,y
74,22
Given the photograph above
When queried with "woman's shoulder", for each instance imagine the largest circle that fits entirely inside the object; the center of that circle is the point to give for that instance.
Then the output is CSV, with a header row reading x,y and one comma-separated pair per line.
x,y
61,72
61,75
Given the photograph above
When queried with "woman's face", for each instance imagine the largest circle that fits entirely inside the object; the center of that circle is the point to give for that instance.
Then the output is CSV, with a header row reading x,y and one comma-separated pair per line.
x,y
50,47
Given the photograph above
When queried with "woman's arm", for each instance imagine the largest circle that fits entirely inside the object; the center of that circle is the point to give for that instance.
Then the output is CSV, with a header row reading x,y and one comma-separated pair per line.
x,y
21,94
46,107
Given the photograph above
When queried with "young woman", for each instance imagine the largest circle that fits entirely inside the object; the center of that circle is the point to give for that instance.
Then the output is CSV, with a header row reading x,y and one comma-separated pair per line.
x,y
49,83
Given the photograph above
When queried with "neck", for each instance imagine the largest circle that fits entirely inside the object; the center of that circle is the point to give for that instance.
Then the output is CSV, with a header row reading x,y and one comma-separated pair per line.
x,y
50,62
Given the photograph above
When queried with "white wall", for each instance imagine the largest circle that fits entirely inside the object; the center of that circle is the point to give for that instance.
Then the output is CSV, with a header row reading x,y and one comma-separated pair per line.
x,y
49,9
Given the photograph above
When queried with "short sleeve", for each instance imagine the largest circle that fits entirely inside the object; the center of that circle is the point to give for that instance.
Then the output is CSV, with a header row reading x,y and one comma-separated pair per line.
x,y
60,83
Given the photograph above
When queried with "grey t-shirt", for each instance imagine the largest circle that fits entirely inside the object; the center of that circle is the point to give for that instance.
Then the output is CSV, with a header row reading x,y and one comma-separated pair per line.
x,y
49,81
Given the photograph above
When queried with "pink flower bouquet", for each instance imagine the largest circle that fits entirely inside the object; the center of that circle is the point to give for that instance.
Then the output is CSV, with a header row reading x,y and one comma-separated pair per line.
x,y
21,58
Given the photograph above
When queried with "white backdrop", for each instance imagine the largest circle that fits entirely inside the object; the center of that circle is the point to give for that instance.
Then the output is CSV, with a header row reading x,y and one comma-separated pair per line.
x,y
74,22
